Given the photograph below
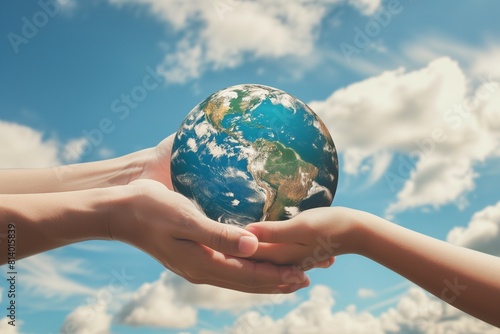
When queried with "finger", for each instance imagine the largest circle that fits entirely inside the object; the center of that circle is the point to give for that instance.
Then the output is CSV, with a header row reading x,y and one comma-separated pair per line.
x,y
227,239
327,263
277,232
289,253
216,266
321,264
292,254
278,289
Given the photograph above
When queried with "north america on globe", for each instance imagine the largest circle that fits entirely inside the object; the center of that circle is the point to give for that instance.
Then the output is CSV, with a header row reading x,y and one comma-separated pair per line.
x,y
251,153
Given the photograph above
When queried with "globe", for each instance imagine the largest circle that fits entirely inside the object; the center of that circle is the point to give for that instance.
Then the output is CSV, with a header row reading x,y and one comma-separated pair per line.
x,y
250,153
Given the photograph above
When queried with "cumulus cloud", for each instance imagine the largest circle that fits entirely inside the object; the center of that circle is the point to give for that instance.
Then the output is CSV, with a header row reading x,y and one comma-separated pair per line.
x,y
416,312
311,316
486,63
430,119
88,319
5,328
172,302
482,233
24,147
420,312
223,34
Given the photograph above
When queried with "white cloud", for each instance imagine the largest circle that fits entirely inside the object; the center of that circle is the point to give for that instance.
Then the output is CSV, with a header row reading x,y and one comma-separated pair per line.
x,y
416,312
172,302
24,147
366,7
485,63
73,150
156,304
5,328
67,7
431,117
21,147
311,316
88,319
47,276
366,293
482,232
223,34
105,153
420,312
217,39
480,62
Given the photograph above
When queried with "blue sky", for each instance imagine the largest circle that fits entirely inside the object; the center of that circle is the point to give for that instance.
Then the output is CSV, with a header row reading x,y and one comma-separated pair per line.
x,y
410,91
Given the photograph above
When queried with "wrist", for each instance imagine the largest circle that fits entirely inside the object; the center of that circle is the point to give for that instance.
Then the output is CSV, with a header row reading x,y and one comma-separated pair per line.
x,y
127,168
81,215
354,233
366,226
99,174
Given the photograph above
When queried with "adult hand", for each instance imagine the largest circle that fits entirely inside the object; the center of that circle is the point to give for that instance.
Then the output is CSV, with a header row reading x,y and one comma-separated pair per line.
x,y
309,240
156,165
170,228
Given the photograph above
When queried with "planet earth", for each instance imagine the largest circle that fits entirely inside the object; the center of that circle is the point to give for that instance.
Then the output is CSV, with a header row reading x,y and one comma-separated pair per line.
x,y
250,153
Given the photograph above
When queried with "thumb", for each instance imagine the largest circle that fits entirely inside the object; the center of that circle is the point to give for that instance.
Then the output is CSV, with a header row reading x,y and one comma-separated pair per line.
x,y
286,231
224,238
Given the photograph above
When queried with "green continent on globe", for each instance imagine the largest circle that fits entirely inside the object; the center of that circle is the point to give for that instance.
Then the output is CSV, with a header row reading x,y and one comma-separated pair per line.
x,y
280,171
217,108
252,152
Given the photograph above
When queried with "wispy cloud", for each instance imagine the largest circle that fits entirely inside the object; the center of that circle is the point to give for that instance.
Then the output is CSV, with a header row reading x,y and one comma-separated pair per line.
x,y
48,276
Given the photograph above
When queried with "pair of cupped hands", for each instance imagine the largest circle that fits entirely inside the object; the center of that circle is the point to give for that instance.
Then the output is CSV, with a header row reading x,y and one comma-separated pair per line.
x,y
266,257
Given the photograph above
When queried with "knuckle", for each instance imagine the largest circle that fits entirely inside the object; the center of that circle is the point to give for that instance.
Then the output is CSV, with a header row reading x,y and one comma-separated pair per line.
x,y
217,238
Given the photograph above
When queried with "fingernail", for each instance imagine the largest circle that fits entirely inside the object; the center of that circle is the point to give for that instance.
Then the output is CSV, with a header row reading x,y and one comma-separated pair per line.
x,y
248,245
300,274
298,286
303,276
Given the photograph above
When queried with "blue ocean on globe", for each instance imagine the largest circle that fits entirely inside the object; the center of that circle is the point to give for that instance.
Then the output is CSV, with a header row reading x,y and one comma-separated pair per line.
x,y
250,153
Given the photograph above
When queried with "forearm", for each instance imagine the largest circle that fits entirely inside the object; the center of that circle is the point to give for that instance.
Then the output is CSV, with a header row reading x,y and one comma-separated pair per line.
x,y
99,174
47,221
464,278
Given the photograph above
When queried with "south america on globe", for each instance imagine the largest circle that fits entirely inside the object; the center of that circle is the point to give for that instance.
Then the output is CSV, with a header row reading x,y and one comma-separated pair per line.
x,y
250,153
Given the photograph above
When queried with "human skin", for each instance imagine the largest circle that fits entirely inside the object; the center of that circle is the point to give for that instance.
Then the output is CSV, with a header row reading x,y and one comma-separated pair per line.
x,y
130,199
464,278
